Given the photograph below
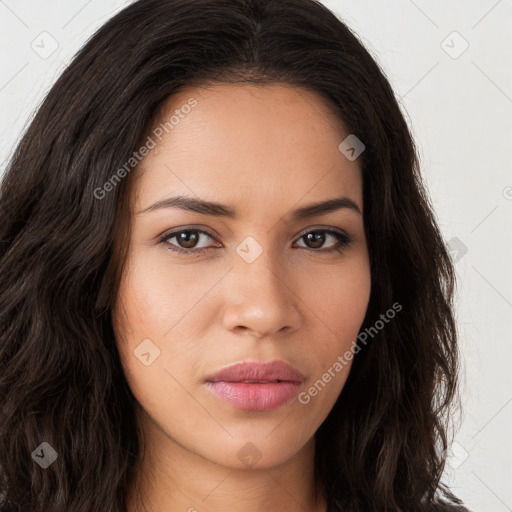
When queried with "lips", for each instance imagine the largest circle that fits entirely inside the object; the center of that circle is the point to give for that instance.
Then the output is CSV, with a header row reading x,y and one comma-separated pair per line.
x,y
257,372
256,386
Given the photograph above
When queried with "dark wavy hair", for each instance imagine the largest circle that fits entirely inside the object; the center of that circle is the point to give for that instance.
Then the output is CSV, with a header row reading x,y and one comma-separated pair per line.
x,y
62,253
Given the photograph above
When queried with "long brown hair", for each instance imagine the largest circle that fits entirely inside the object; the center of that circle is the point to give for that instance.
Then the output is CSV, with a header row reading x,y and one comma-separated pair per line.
x,y
63,247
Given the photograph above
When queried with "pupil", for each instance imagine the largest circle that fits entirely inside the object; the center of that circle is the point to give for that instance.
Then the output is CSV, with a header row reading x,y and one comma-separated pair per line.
x,y
189,238
319,240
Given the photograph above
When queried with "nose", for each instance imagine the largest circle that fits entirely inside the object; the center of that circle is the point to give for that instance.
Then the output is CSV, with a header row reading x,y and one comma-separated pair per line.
x,y
260,297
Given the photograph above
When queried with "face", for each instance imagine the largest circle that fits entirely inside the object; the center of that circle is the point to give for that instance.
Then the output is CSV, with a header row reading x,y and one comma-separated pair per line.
x,y
259,283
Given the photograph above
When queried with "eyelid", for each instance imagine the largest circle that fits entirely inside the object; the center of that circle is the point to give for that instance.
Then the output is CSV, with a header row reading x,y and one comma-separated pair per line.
x,y
177,231
196,228
322,228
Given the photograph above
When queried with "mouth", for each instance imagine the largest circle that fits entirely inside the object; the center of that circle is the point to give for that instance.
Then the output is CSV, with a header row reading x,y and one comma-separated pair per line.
x,y
255,396
256,386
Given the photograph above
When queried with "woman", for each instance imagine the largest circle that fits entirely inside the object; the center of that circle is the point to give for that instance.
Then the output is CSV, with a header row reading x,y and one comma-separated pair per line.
x,y
223,286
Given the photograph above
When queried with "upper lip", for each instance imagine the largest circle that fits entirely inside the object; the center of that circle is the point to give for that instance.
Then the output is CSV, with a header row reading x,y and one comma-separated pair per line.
x,y
257,371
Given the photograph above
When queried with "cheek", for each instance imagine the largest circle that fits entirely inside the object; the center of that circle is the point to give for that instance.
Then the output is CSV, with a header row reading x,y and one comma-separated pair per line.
x,y
137,321
140,326
337,306
339,298
154,295
155,303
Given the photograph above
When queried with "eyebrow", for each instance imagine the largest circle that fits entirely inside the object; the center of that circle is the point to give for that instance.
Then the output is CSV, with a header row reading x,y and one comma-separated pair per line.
x,y
221,210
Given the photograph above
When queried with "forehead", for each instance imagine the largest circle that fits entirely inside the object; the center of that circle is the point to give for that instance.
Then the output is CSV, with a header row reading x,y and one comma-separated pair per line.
x,y
247,145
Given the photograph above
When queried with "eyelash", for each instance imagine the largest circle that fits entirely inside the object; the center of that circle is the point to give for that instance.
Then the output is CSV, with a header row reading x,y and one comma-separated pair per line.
x,y
343,241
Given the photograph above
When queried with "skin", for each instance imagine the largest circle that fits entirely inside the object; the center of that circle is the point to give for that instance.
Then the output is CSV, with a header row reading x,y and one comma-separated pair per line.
x,y
264,151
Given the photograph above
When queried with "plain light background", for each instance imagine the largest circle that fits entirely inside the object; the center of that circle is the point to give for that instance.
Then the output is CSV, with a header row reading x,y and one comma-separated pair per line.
x,y
450,64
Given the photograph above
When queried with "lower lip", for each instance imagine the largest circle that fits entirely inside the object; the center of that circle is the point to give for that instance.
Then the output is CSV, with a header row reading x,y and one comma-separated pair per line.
x,y
255,397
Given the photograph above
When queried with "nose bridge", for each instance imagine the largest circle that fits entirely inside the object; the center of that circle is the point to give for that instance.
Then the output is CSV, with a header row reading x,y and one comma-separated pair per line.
x,y
259,267
260,298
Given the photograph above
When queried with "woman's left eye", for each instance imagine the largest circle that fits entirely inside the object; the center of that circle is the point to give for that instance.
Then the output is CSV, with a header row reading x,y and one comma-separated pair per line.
x,y
318,236
188,239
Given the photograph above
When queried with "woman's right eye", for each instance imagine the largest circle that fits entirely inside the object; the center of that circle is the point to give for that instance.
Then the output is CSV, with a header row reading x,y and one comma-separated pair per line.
x,y
187,238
